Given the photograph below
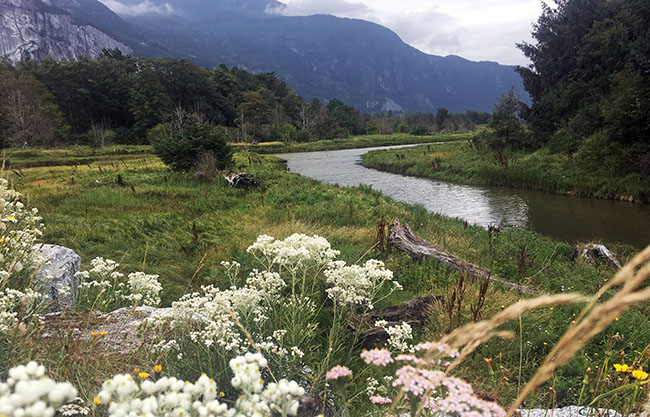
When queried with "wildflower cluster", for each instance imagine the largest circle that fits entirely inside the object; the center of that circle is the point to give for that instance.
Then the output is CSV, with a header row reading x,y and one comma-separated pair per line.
x,y
357,285
169,396
637,374
421,378
18,307
101,287
398,335
143,289
338,372
20,228
29,393
278,397
276,310
296,251
208,316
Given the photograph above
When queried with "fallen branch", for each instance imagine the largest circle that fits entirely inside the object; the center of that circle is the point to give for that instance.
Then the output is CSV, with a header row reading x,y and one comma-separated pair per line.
x,y
402,238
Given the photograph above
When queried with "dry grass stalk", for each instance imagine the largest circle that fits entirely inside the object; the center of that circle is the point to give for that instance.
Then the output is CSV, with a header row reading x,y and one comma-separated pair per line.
x,y
473,335
594,319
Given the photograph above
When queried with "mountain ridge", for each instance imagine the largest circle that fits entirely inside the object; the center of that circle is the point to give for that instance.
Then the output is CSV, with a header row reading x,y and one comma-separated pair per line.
x,y
320,56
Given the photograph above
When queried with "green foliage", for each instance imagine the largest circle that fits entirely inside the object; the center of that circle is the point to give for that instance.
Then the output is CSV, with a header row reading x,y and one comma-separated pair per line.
x,y
28,114
508,131
589,82
181,142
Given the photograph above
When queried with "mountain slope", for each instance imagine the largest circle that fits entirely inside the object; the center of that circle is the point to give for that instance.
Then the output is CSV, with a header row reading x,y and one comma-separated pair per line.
x,y
323,56
320,56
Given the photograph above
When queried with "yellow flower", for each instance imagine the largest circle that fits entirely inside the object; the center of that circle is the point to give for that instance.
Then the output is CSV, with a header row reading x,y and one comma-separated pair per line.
x,y
136,370
11,218
222,394
143,375
103,333
639,374
622,368
96,401
94,334
157,369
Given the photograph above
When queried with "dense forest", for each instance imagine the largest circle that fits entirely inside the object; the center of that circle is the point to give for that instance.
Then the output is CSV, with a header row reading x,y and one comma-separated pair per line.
x,y
590,83
118,99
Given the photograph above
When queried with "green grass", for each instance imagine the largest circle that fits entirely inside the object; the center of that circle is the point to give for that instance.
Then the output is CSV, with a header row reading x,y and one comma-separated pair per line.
x,y
167,223
363,141
540,170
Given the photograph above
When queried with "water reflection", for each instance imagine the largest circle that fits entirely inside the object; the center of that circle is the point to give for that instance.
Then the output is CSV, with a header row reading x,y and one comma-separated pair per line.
x,y
562,217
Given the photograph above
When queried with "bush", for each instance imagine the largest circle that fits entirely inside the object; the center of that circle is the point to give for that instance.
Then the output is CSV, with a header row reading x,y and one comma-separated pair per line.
x,y
179,143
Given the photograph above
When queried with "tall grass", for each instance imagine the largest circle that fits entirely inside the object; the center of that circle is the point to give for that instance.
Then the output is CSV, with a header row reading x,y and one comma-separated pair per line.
x,y
541,170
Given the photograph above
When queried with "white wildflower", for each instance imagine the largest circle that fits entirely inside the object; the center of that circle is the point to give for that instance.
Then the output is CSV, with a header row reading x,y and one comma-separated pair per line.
x,y
356,285
28,393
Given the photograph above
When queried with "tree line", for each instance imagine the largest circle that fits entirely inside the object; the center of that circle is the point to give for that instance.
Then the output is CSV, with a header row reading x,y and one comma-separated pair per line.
x,y
119,99
589,81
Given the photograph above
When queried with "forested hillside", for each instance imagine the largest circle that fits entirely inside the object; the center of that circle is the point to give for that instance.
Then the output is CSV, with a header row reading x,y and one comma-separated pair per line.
x,y
118,99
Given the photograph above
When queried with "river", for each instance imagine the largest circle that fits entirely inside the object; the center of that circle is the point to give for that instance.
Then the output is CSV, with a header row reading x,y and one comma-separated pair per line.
x,y
566,218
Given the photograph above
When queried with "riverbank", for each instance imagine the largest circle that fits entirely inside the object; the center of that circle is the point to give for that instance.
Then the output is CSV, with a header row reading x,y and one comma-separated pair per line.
x,y
181,228
540,170
355,142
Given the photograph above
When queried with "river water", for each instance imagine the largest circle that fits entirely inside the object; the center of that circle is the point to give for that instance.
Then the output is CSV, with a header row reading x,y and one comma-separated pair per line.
x,y
566,218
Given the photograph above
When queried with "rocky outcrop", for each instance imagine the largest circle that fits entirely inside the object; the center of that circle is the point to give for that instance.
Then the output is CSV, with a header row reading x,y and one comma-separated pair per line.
x,y
56,277
120,331
33,29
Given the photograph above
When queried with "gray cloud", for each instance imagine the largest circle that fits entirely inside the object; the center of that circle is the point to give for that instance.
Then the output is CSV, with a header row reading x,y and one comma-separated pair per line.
x,y
342,8
474,29
145,7
429,30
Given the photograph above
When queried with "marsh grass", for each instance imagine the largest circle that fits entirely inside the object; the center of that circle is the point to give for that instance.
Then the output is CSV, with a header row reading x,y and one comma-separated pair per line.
x,y
363,141
540,170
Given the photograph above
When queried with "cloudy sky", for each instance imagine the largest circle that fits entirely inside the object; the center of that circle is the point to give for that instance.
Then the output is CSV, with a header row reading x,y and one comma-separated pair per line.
x,y
480,30
474,29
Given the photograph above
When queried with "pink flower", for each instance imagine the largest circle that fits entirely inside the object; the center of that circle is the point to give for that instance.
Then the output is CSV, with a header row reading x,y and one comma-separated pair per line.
x,y
338,372
443,348
376,399
418,381
379,357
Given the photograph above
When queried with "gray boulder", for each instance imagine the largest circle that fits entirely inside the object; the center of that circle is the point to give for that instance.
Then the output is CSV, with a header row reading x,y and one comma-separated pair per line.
x,y
56,277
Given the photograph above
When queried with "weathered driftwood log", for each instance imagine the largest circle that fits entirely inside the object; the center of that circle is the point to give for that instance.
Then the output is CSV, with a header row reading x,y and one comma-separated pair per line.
x,y
594,254
402,238
241,180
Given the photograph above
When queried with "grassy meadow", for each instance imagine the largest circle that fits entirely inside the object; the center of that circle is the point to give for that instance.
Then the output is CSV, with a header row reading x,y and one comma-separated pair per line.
x,y
181,228
540,170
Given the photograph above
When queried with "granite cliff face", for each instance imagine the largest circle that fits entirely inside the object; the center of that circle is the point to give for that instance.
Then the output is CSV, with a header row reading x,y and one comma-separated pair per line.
x,y
33,29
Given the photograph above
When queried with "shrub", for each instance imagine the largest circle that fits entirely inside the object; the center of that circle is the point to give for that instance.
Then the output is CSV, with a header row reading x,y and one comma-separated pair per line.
x,y
179,143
